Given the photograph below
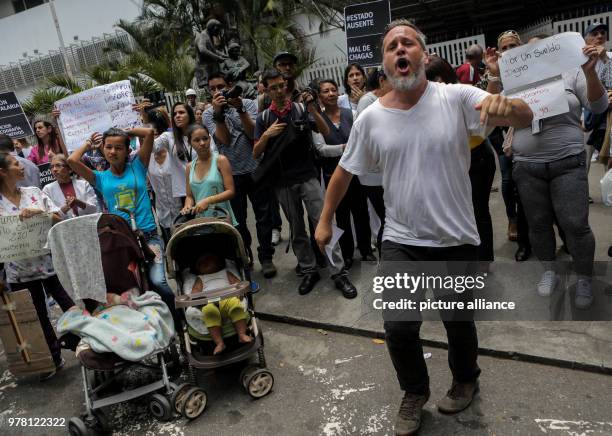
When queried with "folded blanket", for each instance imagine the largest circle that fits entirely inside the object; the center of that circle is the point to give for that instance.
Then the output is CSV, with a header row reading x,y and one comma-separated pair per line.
x,y
133,327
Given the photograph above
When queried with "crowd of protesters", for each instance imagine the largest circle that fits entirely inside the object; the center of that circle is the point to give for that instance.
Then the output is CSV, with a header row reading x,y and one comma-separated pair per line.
x,y
297,149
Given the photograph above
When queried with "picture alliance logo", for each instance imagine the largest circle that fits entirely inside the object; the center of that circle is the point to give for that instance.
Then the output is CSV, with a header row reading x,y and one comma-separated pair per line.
x,y
414,283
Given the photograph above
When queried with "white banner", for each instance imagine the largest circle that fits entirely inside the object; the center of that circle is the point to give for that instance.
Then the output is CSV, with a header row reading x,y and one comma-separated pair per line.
x,y
546,99
96,110
541,60
23,239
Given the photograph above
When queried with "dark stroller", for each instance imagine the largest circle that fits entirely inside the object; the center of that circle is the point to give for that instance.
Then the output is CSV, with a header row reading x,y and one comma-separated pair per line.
x,y
188,241
123,257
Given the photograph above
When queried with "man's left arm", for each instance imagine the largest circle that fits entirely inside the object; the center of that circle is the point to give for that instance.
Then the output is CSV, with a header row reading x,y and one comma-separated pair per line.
x,y
495,109
248,115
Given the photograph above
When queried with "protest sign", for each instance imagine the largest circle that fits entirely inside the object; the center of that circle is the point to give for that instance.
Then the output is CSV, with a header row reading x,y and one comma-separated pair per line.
x,y
96,110
541,60
546,99
46,176
23,239
532,72
13,121
364,24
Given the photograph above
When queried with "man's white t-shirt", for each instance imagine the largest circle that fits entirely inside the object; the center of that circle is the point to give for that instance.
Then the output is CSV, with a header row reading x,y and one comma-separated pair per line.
x,y
424,157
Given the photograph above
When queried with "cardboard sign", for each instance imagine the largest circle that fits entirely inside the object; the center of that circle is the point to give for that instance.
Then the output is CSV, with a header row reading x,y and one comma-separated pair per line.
x,y
23,239
96,110
46,176
364,24
546,99
13,121
541,60
533,71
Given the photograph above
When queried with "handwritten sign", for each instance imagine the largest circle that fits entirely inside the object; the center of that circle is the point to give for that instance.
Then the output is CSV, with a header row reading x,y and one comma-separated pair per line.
x,y
13,121
96,110
541,60
364,24
546,99
23,239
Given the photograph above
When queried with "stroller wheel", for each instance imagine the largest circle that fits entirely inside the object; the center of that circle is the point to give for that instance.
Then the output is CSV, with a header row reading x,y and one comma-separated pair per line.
x,y
178,396
194,403
259,383
245,373
76,427
160,407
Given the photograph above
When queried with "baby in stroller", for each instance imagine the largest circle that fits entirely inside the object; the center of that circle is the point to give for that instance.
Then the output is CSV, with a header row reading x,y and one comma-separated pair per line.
x,y
210,271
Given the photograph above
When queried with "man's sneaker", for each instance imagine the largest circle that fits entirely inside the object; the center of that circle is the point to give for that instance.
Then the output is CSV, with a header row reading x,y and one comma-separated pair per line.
x,y
547,283
408,418
584,294
47,375
268,269
458,397
276,236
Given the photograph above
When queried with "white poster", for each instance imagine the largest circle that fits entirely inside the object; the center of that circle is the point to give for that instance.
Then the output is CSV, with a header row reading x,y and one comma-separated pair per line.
x,y
96,110
23,239
541,60
546,99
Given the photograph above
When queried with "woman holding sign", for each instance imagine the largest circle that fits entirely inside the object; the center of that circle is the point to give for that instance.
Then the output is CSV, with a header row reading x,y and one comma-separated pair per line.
x,y
124,186
35,274
550,173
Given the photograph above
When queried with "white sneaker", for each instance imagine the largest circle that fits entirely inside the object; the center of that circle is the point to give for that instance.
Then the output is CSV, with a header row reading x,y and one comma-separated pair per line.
x,y
276,236
584,294
547,283
595,156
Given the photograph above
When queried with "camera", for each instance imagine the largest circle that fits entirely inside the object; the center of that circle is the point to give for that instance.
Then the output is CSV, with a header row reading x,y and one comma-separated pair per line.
x,y
234,92
156,98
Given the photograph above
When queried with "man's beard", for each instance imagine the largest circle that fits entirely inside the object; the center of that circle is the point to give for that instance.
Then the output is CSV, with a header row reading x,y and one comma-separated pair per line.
x,y
405,83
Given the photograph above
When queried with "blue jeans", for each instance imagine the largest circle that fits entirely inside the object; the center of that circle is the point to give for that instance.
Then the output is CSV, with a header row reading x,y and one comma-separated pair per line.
x,y
157,273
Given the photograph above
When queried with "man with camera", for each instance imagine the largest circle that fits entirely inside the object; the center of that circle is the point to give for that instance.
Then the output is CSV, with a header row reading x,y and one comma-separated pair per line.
x,y
231,121
283,136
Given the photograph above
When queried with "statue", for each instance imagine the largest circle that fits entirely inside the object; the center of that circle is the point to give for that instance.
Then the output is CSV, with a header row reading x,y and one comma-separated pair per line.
x,y
235,66
211,51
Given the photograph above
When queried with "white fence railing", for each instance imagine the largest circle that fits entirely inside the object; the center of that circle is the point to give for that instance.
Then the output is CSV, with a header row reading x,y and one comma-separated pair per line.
x,y
326,69
454,50
544,26
580,24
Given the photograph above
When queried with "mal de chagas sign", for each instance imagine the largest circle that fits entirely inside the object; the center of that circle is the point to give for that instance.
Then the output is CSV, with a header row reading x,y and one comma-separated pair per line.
x,y
364,24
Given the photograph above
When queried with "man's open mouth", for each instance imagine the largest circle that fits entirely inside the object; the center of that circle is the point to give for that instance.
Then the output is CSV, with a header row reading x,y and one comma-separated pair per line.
x,y
402,65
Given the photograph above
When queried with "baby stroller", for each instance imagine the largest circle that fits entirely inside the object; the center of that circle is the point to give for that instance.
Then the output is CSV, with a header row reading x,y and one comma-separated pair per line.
x,y
123,256
188,241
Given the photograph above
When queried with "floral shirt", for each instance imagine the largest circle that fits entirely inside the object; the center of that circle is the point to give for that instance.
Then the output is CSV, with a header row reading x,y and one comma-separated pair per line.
x,y
34,268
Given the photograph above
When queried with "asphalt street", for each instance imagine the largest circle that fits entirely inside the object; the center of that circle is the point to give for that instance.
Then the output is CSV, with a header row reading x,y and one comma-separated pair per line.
x,y
334,384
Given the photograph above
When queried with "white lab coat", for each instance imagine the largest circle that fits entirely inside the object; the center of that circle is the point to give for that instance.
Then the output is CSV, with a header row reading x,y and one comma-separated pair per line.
x,y
83,191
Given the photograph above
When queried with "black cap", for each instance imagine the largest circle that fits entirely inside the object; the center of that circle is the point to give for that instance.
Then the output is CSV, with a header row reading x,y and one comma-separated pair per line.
x,y
594,26
284,54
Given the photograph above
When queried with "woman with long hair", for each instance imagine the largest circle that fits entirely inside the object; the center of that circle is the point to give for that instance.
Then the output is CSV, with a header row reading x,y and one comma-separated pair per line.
x,y
340,122
36,274
49,141
354,81
209,180
180,152
124,186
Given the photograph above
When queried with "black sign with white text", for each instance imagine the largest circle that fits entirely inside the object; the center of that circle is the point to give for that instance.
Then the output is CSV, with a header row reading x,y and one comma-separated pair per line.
x,y
13,121
364,24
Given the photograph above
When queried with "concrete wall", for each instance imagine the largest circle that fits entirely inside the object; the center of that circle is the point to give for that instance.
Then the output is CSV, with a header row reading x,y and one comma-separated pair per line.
x,y
34,28
6,8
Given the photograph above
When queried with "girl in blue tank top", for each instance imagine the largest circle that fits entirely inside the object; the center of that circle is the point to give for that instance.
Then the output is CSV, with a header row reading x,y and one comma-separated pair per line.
x,y
210,184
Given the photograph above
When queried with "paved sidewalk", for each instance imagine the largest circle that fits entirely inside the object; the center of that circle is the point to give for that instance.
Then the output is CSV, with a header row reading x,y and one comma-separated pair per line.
x,y
582,344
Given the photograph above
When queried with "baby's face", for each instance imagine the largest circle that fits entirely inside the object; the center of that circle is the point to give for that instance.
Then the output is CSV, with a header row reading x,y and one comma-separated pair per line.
x,y
208,264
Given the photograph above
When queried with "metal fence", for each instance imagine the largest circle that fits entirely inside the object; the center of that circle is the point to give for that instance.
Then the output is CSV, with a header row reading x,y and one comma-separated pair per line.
x,y
454,50
578,24
82,55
